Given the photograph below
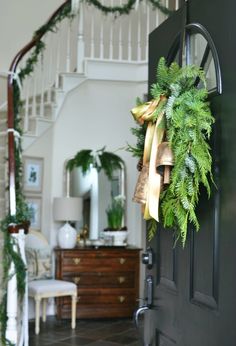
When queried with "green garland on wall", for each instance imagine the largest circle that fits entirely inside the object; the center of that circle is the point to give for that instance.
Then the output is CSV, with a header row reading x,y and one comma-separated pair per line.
x,y
127,8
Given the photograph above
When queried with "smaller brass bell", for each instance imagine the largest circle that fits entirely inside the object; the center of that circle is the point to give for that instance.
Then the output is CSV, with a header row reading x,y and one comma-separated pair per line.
x,y
165,159
140,193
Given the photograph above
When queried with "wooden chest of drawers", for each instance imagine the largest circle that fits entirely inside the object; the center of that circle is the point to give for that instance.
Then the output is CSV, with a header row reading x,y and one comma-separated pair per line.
x,y
107,280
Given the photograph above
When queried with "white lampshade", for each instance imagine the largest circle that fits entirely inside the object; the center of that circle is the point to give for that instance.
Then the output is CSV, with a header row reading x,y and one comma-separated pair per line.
x,y
67,209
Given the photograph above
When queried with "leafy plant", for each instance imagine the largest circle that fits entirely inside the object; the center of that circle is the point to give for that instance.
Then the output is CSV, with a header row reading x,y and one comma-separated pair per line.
x,y
188,124
100,159
138,131
115,212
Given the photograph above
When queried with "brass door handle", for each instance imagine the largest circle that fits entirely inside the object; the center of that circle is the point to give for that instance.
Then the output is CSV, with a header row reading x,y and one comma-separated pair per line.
x,y
121,279
76,260
122,260
121,299
76,280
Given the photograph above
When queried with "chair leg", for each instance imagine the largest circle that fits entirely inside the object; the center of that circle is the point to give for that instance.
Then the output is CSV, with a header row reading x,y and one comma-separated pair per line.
x,y
37,314
73,311
44,309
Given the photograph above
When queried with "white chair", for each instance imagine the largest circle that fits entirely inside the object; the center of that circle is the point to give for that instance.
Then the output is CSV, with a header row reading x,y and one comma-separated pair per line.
x,y
42,289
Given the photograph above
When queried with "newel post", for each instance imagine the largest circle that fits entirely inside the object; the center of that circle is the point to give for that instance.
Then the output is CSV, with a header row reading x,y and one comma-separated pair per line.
x,y
11,329
17,333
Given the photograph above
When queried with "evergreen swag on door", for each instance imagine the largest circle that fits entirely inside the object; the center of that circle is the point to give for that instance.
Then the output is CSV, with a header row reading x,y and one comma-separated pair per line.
x,y
180,115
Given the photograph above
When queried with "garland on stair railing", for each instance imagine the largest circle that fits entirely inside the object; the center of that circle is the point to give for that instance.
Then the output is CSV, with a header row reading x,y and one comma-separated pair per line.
x,y
23,213
179,124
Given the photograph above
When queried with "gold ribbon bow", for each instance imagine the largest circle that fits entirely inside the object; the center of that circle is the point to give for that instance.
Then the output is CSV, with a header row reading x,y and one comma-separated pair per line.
x,y
150,180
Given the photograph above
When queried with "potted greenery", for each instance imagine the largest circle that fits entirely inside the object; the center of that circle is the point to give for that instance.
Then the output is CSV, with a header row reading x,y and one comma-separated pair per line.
x,y
115,217
99,159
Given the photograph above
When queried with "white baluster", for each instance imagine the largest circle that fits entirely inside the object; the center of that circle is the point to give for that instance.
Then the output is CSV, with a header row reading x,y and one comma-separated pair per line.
x,y
26,115
120,46
92,52
157,19
129,41
58,49
68,52
148,28
111,33
139,46
11,329
101,50
46,66
101,36
176,4
51,72
43,70
80,44
34,93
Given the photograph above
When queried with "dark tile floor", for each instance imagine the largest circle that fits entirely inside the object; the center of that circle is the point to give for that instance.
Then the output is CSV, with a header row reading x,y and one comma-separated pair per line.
x,y
87,332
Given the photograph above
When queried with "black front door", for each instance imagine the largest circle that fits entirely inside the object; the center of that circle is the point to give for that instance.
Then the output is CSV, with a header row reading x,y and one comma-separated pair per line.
x,y
194,289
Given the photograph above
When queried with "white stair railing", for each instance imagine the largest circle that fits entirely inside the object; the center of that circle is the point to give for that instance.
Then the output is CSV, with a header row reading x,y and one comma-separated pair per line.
x,y
90,35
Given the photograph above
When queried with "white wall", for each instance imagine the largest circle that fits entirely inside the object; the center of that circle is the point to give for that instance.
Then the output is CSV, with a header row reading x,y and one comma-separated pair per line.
x,y
18,21
43,148
3,90
93,115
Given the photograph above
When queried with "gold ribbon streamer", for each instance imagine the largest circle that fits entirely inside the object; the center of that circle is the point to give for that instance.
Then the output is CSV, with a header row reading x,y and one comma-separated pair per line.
x,y
154,178
140,194
150,182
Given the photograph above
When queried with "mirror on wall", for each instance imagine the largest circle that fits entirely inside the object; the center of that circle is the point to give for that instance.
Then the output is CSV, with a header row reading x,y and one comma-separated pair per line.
x,y
97,192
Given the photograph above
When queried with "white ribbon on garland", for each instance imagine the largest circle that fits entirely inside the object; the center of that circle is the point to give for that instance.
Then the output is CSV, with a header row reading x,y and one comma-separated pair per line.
x,y
16,77
16,134
75,6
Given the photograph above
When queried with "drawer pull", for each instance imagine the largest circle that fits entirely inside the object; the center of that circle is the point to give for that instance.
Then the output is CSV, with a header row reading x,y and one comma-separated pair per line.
x,y
78,299
121,299
121,279
122,260
76,280
76,260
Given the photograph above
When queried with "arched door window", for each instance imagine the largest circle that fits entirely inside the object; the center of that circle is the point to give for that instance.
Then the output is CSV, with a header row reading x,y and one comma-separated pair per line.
x,y
198,48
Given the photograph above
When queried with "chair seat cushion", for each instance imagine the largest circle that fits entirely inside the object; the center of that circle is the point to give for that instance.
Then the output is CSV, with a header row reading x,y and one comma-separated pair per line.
x,y
39,287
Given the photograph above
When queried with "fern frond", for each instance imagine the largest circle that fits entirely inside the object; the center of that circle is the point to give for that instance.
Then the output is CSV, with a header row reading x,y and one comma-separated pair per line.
x,y
152,228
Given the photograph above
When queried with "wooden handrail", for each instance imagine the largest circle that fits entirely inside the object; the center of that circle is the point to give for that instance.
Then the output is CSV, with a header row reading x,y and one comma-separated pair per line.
x,y
10,110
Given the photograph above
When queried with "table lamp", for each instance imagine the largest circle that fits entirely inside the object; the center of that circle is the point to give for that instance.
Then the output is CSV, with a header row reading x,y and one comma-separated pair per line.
x,y
67,209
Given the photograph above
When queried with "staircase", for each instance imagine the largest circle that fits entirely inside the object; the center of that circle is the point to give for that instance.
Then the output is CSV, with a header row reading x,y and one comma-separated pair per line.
x,y
81,50
98,48
41,115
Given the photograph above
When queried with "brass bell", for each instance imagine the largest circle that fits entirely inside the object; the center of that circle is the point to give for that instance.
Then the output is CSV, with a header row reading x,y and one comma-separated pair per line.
x,y
165,159
140,193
